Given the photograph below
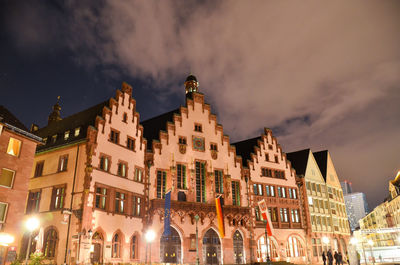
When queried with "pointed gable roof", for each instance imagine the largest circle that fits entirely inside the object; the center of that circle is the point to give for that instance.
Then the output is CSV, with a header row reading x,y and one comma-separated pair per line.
x,y
322,160
7,117
299,160
153,126
246,147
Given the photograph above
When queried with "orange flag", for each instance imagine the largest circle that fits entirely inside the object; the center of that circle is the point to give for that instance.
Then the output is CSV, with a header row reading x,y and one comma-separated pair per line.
x,y
220,217
265,214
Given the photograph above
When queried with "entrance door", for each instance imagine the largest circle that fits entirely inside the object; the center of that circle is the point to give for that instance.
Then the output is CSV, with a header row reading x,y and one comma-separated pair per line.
x,y
238,247
170,247
96,253
211,248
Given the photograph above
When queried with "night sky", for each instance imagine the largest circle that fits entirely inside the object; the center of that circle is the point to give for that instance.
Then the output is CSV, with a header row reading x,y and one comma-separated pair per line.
x,y
322,75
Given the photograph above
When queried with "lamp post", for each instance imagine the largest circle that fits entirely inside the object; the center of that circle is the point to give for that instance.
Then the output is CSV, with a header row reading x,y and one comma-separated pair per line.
x,y
266,242
150,235
196,217
31,224
325,240
371,243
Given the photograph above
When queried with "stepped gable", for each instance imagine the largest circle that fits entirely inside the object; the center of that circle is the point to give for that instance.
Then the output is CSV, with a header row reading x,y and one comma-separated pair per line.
x,y
7,117
245,148
299,160
322,160
153,126
81,120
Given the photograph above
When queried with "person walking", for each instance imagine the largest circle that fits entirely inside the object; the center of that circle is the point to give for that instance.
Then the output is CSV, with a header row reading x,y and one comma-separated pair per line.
x,y
330,257
347,258
336,257
324,257
340,258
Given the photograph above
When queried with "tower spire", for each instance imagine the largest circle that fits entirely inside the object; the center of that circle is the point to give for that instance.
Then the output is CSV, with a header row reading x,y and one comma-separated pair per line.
x,y
55,114
191,84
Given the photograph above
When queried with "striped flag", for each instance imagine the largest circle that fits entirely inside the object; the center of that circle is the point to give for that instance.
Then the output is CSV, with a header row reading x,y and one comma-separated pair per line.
x,y
167,214
265,214
220,216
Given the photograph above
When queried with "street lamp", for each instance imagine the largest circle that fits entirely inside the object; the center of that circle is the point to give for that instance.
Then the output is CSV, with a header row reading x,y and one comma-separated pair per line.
x,y
31,224
325,240
150,236
6,239
196,217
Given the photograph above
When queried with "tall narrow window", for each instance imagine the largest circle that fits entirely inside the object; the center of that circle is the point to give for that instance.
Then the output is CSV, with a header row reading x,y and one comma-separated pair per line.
x,y
283,192
284,215
273,213
200,182
77,131
63,163
267,190
104,163
134,248
120,202
294,193
279,192
50,242
3,211
257,213
14,147
33,202
101,198
219,181
116,246
130,143
181,176
272,189
58,196
122,169
39,169
161,183
114,137
138,175
136,206
235,193
7,177
66,135
290,193
125,117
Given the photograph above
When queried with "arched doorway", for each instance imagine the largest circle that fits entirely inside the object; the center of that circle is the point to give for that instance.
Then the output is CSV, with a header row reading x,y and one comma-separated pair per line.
x,y
170,247
238,247
97,254
211,248
294,247
343,245
262,249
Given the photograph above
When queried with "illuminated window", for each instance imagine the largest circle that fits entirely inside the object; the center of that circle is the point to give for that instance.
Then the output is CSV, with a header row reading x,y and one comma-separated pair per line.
x,y
14,147
57,198
258,189
262,249
219,181
200,171
63,163
182,140
116,246
294,247
33,202
136,206
114,137
101,198
122,169
161,183
54,138
198,127
45,140
39,169
283,192
273,213
50,242
284,215
7,177
77,131
120,199
134,248
130,143
66,135
138,175
3,211
181,176
104,163
295,216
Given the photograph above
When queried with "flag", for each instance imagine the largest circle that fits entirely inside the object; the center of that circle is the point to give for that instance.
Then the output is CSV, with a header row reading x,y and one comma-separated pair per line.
x,y
39,242
220,216
265,214
167,214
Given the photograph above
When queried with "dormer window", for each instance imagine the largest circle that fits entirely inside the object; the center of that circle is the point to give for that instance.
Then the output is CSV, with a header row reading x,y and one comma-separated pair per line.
x,y
66,135
45,140
54,138
114,137
198,127
77,131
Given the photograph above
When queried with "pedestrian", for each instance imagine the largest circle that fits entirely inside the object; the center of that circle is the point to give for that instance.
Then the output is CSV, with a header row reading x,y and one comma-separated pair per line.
x,y
330,257
340,258
323,257
336,256
347,258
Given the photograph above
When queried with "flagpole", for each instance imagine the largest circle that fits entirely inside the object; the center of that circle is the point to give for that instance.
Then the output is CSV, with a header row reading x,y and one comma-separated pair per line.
x,y
266,243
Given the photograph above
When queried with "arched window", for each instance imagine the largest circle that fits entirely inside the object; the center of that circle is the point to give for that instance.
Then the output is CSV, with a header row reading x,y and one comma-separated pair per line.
x,y
134,248
262,249
116,246
294,247
50,243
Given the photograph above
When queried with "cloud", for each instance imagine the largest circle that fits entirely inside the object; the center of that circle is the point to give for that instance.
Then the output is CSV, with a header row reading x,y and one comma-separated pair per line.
x,y
326,74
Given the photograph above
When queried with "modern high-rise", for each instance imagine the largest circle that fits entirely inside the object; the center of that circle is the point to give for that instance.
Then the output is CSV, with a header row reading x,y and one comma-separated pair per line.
x,y
346,187
356,207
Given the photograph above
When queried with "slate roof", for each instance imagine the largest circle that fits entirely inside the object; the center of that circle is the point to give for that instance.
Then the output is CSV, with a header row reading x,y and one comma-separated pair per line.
x,y
82,119
299,160
245,148
7,117
322,160
153,126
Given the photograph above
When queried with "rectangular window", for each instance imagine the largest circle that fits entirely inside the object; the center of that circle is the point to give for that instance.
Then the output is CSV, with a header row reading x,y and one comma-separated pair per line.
x,y
280,192
313,186
54,138
276,159
283,192
255,189
272,189
318,188
7,177
294,193
267,190
266,157
235,193
200,182
181,176
260,189
39,169
66,135
122,169
266,172
33,202
182,140
198,127
219,181
290,193
257,213
295,216
63,163
213,147
114,137
279,174
161,183
101,198
120,201
138,175
58,195
308,185
14,147
130,144
77,131
136,206
104,163
3,211
273,213
284,215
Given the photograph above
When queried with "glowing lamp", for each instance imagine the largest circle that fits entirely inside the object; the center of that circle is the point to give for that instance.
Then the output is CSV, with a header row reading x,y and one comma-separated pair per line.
x,y
6,239
32,224
150,236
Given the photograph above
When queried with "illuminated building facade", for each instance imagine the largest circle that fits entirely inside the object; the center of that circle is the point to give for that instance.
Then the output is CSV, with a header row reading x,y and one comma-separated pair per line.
x,y
17,151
